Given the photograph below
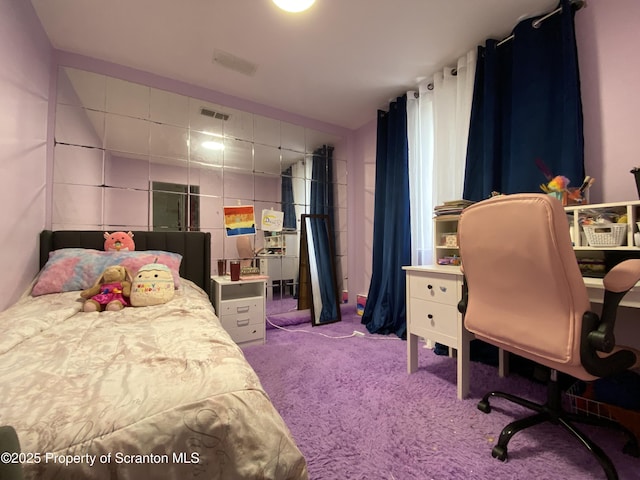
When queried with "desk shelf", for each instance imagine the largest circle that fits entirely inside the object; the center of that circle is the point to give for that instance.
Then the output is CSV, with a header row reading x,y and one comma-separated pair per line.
x,y
576,212
445,230
445,225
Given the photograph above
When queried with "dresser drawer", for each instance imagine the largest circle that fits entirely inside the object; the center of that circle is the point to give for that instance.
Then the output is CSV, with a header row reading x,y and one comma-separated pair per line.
x,y
242,331
428,316
434,288
243,318
243,309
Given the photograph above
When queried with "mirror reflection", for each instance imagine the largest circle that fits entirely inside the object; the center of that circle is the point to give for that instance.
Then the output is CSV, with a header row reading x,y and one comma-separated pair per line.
x,y
132,157
318,286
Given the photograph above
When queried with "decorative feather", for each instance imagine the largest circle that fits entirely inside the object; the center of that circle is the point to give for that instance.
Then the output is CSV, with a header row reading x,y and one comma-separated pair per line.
x,y
546,171
558,183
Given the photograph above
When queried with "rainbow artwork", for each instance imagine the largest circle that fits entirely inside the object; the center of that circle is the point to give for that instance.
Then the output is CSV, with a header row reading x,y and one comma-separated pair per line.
x,y
239,220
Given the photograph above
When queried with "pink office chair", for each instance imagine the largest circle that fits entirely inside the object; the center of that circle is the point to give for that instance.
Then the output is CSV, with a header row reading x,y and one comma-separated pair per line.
x,y
245,250
526,295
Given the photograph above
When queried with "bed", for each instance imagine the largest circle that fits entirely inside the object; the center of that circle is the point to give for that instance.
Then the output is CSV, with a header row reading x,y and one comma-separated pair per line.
x,y
145,392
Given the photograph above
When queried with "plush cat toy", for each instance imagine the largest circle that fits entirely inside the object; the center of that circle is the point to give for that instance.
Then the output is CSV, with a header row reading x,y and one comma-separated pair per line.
x,y
110,292
118,241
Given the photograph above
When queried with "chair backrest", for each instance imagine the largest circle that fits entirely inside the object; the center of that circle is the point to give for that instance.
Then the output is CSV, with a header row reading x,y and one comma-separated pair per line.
x,y
245,250
526,292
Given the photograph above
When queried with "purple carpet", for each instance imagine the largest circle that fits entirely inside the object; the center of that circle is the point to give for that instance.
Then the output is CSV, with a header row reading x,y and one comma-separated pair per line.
x,y
356,413
281,305
297,317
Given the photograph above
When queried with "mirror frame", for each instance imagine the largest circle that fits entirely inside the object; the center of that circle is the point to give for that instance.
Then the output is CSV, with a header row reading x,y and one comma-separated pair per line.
x,y
312,292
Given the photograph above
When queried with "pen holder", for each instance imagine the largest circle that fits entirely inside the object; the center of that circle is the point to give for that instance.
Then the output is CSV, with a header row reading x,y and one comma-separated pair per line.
x,y
572,196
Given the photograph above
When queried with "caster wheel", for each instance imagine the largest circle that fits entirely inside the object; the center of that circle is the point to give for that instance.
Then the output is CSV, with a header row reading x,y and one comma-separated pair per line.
x,y
631,448
483,406
500,453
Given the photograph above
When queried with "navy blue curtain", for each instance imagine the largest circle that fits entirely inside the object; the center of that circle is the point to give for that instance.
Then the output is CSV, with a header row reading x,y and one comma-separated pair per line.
x,y
526,108
288,208
385,310
321,203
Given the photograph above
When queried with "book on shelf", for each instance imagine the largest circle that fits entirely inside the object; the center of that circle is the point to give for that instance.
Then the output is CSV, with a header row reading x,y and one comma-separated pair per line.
x,y
451,207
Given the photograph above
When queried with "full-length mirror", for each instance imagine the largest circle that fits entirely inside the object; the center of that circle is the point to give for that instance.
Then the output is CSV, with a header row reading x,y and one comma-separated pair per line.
x,y
318,286
132,157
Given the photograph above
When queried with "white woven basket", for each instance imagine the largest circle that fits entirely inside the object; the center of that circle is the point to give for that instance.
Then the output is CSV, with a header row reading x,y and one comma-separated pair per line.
x,y
605,234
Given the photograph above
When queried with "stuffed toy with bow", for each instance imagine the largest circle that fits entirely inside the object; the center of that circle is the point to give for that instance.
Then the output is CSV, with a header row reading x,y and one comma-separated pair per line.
x,y
110,292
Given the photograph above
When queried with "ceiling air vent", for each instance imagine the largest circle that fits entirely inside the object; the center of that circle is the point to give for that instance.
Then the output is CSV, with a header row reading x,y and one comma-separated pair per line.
x,y
233,62
213,114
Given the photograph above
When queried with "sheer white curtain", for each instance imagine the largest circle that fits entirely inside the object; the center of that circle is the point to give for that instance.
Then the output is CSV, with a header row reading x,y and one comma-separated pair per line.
x,y
301,185
437,131
421,192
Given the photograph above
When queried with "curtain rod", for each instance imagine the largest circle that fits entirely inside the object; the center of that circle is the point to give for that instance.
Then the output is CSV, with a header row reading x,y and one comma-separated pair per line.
x,y
577,4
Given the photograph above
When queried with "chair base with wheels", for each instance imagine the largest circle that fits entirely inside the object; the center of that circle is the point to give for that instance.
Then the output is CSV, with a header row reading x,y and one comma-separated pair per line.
x,y
553,412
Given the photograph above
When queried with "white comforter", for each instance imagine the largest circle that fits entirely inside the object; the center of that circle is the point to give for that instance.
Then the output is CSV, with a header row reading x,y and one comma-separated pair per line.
x,y
150,392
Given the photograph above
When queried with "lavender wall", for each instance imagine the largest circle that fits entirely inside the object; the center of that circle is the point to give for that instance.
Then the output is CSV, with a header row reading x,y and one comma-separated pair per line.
x,y
608,39
25,54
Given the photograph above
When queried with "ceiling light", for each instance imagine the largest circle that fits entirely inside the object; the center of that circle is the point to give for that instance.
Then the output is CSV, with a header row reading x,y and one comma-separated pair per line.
x,y
294,5
211,145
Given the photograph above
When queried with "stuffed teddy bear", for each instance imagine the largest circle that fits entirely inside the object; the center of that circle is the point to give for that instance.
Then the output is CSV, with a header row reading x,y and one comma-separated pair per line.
x,y
110,292
119,241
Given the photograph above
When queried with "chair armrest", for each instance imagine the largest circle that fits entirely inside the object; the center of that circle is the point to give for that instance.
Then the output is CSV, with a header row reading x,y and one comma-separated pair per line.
x,y
462,303
598,333
623,276
617,282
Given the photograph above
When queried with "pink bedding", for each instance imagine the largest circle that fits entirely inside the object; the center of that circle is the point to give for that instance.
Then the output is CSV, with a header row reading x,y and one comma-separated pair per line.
x,y
149,392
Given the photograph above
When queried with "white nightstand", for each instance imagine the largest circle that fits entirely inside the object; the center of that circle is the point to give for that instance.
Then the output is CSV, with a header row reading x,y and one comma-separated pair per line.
x,y
240,306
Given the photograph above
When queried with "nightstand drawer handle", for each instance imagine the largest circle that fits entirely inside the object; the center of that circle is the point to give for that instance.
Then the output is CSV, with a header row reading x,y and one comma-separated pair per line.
x,y
432,321
244,309
429,286
243,323
429,316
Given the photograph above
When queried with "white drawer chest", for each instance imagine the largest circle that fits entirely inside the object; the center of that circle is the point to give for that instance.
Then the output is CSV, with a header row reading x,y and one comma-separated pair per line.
x,y
240,306
433,293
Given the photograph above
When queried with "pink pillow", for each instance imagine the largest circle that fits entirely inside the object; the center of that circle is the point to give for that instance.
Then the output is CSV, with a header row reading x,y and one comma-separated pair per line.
x,y
70,269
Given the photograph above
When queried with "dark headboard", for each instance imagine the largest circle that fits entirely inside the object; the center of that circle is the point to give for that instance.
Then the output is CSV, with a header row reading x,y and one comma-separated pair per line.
x,y
195,248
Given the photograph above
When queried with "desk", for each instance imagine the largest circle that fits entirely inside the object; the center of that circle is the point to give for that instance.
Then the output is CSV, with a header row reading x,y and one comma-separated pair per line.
x,y
433,292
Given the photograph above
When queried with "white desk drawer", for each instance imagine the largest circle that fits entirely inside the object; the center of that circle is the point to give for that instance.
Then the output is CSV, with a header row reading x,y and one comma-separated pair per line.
x,y
434,288
436,317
